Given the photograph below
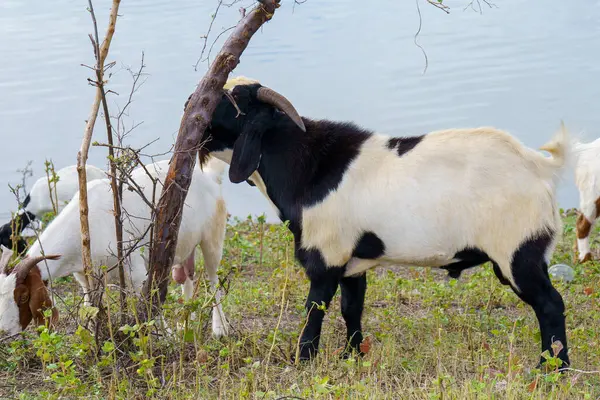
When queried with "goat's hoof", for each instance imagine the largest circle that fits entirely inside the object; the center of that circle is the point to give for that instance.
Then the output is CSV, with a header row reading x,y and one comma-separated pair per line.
x,y
349,353
220,331
586,258
307,353
302,359
220,325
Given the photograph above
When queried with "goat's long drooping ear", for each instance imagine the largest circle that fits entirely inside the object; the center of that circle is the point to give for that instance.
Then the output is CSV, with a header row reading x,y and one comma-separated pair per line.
x,y
40,301
247,148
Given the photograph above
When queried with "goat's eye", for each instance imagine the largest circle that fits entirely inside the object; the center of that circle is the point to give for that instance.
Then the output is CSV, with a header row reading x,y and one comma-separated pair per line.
x,y
24,298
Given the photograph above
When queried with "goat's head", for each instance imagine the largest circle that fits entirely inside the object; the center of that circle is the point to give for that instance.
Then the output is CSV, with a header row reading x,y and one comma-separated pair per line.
x,y
20,222
23,294
245,112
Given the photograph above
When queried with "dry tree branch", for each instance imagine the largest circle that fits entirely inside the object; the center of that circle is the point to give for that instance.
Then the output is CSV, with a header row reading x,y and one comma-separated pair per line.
x,y
478,2
117,188
117,194
445,8
205,36
440,5
215,41
101,53
196,117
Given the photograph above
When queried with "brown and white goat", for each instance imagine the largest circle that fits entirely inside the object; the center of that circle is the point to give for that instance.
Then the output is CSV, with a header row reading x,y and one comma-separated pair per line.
x,y
587,179
23,293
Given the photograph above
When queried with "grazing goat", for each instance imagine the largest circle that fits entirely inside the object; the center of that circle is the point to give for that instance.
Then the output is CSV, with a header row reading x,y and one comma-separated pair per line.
x,y
38,202
23,293
587,179
203,223
356,199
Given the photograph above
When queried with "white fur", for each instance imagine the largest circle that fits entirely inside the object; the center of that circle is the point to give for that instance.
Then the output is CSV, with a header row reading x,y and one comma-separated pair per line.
x,y
9,312
66,187
203,222
587,179
226,155
457,188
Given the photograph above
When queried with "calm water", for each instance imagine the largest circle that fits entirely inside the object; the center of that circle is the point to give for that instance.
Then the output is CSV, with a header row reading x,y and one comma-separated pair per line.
x,y
521,67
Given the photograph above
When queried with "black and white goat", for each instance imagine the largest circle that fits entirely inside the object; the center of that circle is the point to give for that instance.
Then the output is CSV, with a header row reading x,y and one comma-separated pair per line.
x,y
38,202
203,223
587,179
355,199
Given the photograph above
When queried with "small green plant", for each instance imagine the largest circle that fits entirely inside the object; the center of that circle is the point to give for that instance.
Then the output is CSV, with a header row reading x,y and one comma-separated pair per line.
x,y
52,179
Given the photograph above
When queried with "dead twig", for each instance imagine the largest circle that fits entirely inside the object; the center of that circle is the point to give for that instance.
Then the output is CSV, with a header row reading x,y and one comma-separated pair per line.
x,y
440,5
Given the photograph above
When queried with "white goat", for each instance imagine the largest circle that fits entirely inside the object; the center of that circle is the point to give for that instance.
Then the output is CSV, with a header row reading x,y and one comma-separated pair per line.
x,y
38,202
203,223
587,179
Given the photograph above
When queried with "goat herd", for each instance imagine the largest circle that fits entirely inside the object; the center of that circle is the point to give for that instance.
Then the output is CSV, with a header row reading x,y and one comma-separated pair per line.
x,y
354,199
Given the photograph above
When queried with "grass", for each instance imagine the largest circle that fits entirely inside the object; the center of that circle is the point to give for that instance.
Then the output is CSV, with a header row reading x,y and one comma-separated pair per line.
x,y
429,338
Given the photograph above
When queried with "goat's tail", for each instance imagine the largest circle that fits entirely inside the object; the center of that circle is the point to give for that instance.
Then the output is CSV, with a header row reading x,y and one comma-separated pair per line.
x,y
215,169
559,148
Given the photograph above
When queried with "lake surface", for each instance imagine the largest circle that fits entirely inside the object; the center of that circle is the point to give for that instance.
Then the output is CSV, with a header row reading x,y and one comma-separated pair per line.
x,y
522,66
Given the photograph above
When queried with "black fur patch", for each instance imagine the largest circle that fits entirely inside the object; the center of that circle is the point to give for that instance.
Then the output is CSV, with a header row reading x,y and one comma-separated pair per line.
x,y
404,144
314,161
530,273
312,261
6,231
369,247
301,168
468,258
534,248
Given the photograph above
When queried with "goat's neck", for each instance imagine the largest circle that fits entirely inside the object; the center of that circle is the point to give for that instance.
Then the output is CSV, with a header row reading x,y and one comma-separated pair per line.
x,y
294,164
285,168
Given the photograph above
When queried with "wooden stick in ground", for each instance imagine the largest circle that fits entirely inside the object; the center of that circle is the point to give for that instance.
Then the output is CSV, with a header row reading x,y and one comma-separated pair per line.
x,y
196,117
101,52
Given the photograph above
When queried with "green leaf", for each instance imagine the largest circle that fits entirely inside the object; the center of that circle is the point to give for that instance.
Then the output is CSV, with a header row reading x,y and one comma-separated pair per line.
x,y
108,346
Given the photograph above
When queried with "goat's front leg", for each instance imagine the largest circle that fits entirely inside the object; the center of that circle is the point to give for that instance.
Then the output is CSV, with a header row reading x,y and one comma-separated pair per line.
x,y
323,285
353,300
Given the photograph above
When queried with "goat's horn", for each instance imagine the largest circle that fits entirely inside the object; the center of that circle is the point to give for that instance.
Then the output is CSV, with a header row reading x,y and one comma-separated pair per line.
x,y
6,255
269,96
22,269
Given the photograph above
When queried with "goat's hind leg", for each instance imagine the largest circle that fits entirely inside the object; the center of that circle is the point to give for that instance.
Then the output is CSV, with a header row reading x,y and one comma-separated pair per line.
x,y
584,227
212,251
532,284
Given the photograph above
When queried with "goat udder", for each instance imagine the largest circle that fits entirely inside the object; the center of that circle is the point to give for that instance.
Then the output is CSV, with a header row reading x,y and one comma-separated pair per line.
x,y
178,274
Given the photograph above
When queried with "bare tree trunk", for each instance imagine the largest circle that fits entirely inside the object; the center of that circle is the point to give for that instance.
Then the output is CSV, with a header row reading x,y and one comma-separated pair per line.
x,y
101,52
196,117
